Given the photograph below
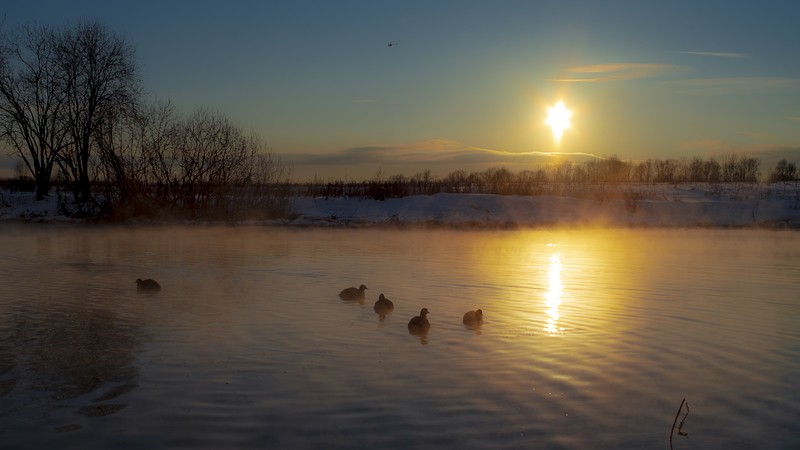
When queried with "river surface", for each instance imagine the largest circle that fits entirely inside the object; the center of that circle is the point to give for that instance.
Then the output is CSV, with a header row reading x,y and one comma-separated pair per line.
x,y
591,339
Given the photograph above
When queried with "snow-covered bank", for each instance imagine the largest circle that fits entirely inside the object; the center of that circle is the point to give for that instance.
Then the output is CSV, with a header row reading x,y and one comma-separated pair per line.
x,y
775,206
517,211
22,206
617,206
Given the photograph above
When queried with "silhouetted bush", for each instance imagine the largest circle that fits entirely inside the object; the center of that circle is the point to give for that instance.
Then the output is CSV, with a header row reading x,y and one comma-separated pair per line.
x,y
783,171
161,165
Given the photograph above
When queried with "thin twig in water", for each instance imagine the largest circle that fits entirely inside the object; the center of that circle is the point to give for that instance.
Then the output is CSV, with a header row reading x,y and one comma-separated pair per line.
x,y
680,425
672,431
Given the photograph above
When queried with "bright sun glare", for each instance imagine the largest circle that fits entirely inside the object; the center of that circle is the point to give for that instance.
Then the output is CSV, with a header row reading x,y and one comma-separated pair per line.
x,y
558,119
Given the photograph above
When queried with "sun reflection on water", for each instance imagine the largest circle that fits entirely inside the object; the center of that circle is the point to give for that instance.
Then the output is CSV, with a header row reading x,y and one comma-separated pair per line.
x,y
553,295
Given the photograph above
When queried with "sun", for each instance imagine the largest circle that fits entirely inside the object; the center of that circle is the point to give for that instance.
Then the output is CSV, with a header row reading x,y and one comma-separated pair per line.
x,y
558,119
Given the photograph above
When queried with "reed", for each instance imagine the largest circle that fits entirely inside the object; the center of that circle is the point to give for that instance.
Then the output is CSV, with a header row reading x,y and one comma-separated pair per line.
x,y
680,425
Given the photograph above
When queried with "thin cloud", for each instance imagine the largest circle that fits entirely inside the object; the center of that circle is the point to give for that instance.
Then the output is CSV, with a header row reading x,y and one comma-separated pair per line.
x,y
601,73
434,152
567,154
431,151
759,136
716,86
795,118
532,153
718,54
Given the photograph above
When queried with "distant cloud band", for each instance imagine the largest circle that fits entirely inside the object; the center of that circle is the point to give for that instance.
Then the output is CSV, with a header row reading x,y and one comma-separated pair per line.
x,y
600,73
549,154
718,54
430,152
714,86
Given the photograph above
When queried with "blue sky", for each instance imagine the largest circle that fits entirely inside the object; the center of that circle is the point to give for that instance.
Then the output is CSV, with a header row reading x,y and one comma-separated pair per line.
x,y
469,83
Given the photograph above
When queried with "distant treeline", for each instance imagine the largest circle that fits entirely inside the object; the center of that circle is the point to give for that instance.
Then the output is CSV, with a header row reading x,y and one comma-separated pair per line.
x,y
204,167
562,178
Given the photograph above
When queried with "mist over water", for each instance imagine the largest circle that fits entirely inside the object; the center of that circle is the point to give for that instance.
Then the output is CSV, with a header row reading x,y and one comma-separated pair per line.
x,y
591,338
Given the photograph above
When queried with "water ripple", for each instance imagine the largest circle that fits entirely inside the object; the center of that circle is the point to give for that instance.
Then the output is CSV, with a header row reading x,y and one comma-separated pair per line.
x,y
591,338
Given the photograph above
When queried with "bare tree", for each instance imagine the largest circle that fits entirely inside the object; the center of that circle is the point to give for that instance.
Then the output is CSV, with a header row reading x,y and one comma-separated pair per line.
x,y
137,161
157,125
58,91
212,157
32,97
101,86
265,192
783,171
643,172
155,163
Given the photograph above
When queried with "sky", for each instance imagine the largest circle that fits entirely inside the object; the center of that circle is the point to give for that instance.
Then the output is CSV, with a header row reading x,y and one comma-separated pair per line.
x,y
469,83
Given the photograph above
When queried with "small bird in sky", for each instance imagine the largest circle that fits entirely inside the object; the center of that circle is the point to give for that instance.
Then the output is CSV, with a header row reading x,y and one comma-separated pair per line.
x,y
391,44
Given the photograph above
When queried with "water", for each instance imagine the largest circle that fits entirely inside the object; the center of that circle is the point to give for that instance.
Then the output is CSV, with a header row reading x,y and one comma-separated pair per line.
x,y
591,338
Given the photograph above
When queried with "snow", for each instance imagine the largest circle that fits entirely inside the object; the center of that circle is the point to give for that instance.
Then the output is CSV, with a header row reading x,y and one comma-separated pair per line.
x,y
16,205
734,205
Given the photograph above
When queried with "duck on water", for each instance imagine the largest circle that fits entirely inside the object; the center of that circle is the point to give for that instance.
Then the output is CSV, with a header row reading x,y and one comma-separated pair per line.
x,y
419,324
473,318
352,294
383,306
147,285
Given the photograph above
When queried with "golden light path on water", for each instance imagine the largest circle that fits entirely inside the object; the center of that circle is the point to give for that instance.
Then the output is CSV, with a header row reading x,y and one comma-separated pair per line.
x,y
553,295
555,283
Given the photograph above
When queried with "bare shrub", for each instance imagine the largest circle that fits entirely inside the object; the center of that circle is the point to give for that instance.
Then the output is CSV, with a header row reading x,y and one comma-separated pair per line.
x,y
159,165
783,171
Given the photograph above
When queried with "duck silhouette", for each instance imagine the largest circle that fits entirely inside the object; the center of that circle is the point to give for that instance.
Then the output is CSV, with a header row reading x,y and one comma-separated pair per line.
x,y
383,307
419,325
352,294
473,318
147,285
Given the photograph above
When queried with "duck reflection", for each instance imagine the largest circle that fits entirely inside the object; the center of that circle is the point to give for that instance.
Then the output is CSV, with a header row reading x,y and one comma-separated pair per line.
x,y
383,307
553,295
